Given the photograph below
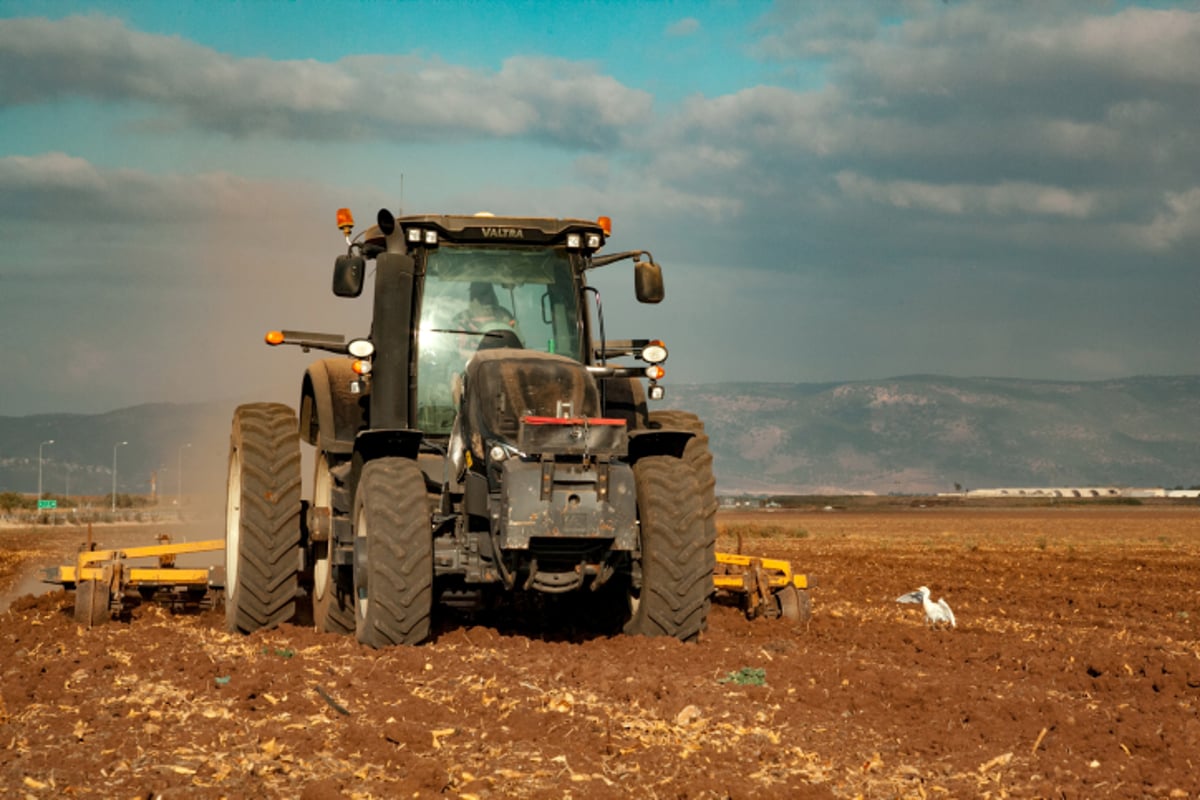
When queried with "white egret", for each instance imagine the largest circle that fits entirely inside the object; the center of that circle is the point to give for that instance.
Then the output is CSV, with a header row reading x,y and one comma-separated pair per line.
x,y
935,613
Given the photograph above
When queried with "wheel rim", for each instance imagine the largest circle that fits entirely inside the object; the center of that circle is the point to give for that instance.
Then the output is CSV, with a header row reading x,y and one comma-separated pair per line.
x,y
233,522
361,590
322,498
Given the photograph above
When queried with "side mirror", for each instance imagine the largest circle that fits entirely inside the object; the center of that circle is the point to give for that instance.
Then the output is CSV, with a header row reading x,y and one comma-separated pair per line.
x,y
648,282
348,273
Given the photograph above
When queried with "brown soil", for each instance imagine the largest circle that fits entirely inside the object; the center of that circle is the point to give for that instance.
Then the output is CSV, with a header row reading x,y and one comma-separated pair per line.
x,y
1074,672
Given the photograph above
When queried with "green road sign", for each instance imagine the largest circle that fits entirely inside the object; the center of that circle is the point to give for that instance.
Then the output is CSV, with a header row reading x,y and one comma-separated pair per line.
x,y
43,504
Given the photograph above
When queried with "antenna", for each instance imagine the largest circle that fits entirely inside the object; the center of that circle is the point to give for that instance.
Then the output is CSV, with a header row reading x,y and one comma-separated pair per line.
x,y
400,211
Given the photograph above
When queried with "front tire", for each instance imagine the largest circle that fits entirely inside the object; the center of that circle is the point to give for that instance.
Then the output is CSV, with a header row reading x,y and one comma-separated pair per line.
x,y
262,518
677,552
394,579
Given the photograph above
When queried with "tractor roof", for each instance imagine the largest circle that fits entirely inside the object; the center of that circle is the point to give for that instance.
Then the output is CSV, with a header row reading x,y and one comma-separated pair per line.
x,y
490,229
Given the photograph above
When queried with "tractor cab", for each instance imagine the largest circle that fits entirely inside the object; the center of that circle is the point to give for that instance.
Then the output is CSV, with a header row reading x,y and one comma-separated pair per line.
x,y
477,299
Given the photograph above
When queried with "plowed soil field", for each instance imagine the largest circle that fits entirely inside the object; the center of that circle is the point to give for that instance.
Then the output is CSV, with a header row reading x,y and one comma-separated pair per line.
x,y
1074,672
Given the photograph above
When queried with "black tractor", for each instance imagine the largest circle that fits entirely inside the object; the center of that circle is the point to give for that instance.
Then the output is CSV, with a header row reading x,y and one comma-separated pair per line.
x,y
484,440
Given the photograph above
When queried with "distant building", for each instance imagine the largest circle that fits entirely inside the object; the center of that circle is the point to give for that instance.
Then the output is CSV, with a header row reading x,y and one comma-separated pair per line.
x,y
1081,492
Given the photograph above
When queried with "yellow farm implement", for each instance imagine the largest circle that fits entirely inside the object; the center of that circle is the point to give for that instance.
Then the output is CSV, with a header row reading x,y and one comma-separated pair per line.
x,y
104,580
768,587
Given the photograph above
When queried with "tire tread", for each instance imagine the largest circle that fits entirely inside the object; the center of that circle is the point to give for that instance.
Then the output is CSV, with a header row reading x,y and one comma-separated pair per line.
x,y
267,438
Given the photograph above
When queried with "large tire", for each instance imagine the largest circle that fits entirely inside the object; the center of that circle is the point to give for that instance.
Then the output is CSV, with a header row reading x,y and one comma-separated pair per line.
x,y
262,518
333,602
394,580
677,552
697,454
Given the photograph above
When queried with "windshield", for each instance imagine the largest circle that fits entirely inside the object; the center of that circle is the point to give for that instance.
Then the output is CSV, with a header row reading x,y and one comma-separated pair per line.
x,y
484,297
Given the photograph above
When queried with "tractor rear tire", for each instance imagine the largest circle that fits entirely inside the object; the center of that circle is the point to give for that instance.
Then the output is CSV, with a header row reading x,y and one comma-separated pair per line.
x,y
697,454
262,518
677,552
91,603
333,602
393,581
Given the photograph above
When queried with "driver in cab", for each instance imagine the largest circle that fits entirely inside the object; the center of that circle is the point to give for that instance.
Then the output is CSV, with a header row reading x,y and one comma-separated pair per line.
x,y
485,315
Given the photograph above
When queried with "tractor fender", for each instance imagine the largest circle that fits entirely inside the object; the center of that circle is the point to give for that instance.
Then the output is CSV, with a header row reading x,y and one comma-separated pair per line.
x,y
387,442
657,442
330,415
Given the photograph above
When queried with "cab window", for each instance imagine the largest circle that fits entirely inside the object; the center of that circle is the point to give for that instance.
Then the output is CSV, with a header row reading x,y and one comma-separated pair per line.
x,y
480,297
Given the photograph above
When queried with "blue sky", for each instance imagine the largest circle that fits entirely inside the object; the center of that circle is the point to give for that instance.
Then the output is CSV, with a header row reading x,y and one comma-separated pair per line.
x,y
837,191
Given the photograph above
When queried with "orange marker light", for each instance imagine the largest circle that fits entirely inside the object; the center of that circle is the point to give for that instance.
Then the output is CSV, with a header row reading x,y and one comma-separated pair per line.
x,y
345,220
605,224
361,366
274,337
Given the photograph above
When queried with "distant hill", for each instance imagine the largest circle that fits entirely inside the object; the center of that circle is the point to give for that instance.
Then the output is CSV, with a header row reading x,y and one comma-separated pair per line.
x,y
911,434
162,438
926,433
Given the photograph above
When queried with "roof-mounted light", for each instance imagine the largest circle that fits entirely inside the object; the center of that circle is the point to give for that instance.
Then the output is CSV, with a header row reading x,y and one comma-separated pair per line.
x,y
431,238
345,220
573,241
593,241
414,235
605,224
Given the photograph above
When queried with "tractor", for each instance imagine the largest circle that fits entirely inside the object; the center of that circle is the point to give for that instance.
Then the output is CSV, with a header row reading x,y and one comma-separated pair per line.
x,y
484,440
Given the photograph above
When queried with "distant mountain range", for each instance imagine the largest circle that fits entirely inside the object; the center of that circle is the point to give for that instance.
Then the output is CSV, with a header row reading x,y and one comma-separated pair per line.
x,y
912,434
178,446
928,433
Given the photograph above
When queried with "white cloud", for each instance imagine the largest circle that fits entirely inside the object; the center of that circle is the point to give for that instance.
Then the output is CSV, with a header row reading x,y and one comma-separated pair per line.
x,y
957,113
812,29
688,26
1002,199
57,186
1159,45
48,171
185,84
1177,222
